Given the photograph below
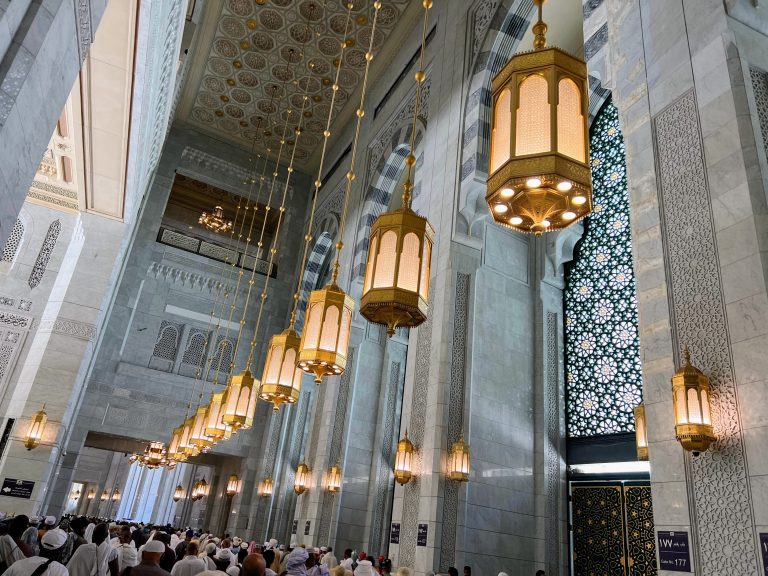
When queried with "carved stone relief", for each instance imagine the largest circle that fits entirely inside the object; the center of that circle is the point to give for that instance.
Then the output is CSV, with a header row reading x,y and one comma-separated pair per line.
x,y
44,256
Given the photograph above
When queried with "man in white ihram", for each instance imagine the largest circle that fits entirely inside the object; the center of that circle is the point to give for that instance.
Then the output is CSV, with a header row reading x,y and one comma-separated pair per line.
x,y
51,547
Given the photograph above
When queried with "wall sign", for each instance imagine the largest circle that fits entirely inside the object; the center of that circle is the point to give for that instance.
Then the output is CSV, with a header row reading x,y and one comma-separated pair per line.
x,y
17,488
764,551
294,526
674,552
306,527
421,539
394,534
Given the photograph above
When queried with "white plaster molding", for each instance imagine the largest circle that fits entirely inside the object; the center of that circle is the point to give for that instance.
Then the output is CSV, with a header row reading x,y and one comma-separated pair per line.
x,y
192,315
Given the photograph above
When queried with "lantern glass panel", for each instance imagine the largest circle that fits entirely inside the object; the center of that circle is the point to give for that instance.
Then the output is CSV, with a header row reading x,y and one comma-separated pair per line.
x,y
289,366
312,330
385,261
427,260
681,413
275,356
408,271
330,329
570,121
694,410
534,133
369,264
706,416
346,320
502,119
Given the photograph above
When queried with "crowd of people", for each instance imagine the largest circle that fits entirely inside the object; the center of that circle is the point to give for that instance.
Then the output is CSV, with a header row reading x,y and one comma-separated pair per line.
x,y
79,546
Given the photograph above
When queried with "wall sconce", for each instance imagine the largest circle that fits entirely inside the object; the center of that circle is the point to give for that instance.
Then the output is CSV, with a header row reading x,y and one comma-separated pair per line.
x,y
458,461
36,429
178,493
641,433
233,485
690,397
91,494
116,495
104,496
265,489
334,479
404,460
75,495
200,490
301,484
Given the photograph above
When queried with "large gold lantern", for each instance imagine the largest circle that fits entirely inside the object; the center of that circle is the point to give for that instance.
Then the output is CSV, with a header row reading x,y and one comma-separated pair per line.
x,y
239,401
325,338
333,479
641,432
185,441
539,177
178,493
404,460
175,449
281,381
215,429
458,462
200,490
266,487
197,438
690,397
233,485
301,483
36,429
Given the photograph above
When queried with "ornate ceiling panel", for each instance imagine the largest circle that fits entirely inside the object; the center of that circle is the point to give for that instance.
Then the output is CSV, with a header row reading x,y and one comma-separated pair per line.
x,y
245,52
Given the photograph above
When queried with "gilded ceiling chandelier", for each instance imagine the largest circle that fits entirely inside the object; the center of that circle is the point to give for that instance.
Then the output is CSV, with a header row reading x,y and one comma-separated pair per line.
x,y
215,220
396,286
154,456
539,179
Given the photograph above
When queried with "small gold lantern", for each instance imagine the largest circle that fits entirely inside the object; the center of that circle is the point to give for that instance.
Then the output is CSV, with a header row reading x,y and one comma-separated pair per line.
x,y
539,179
104,495
301,484
116,495
91,494
281,381
641,433
185,441
690,397
197,438
458,461
178,493
333,482
396,287
36,429
266,487
239,401
233,485
325,338
215,429
200,490
404,460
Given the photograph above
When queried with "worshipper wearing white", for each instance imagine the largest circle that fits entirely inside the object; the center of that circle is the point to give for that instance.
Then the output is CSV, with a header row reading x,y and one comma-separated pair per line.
x,y
207,556
296,564
364,568
329,559
30,536
190,564
51,547
151,553
126,550
97,558
12,548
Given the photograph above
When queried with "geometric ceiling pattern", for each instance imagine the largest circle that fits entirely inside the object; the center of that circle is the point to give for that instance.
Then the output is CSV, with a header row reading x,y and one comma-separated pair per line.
x,y
291,46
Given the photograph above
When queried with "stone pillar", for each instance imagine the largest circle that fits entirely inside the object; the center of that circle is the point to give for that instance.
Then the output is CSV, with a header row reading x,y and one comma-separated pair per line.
x,y
696,165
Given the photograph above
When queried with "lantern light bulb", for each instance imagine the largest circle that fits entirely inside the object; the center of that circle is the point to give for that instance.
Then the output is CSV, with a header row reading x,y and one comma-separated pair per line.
x,y
500,208
507,193
579,200
568,215
564,186
516,220
545,223
533,182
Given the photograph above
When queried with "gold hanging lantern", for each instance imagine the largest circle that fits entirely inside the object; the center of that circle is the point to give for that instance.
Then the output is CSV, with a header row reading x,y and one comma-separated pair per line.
x,y
215,428
458,462
266,487
185,441
404,460
36,429
690,398
325,338
333,483
641,432
197,437
301,483
104,496
233,485
396,286
178,493
281,380
539,177
240,401
116,495
175,451
91,494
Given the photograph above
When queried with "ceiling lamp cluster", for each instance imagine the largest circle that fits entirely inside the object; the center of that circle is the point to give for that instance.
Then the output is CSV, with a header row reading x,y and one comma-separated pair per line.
x,y
539,177
154,456
396,286
215,221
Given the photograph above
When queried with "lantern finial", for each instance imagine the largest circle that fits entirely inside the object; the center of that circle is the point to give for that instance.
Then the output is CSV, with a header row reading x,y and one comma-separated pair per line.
x,y
686,355
540,28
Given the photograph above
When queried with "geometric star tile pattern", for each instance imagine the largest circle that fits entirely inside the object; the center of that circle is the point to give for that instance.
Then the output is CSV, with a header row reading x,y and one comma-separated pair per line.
x,y
249,55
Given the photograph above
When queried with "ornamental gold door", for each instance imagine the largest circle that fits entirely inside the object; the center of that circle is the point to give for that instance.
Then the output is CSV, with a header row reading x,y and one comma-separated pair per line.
x,y
612,529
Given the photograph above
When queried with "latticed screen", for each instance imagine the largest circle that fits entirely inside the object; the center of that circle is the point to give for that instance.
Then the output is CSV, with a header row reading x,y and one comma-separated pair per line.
x,y
602,356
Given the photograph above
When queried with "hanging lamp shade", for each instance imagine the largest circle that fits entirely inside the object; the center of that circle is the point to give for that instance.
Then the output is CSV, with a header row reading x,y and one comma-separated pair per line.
x,y
104,496
281,380
301,483
333,482
198,437
690,398
36,429
116,495
325,338
641,432
175,451
215,428
539,177
233,485
185,441
404,460
178,493
458,462
396,287
266,487
239,401
91,494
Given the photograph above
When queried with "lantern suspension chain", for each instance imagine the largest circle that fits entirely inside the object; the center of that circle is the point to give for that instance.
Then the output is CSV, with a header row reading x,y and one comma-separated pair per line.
x,y
410,159
360,113
318,181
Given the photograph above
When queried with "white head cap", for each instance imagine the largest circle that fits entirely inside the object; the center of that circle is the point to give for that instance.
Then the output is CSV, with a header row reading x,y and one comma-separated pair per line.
x,y
154,546
53,539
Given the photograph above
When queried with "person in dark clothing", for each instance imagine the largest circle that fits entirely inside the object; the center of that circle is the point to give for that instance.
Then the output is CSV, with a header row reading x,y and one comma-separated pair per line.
x,y
181,547
467,571
150,561
452,571
168,559
540,573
